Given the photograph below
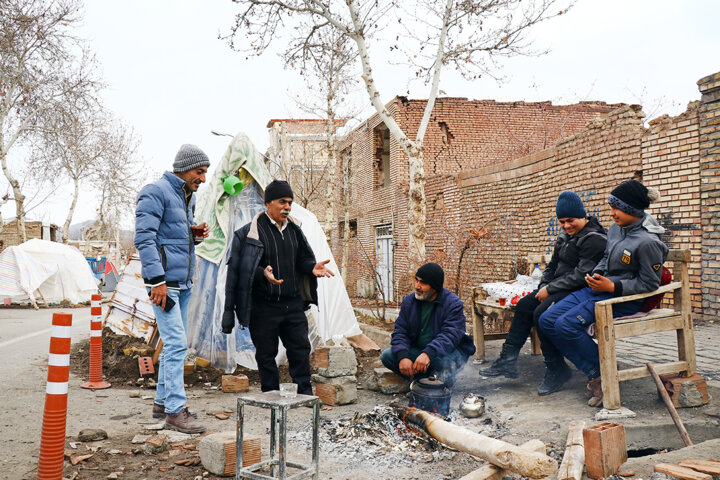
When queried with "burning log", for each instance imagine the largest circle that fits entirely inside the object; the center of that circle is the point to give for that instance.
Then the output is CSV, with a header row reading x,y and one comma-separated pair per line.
x,y
491,472
502,454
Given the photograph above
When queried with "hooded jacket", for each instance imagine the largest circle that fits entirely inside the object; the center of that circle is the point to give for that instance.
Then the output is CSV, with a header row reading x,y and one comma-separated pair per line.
x,y
163,238
243,265
574,257
447,323
634,257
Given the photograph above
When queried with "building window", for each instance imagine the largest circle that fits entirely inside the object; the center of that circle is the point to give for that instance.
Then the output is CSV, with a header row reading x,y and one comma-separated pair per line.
x,y
381,162
353,229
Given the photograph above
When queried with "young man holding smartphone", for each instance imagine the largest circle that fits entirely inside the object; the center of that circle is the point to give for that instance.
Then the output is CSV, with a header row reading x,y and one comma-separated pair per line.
x,y
165,237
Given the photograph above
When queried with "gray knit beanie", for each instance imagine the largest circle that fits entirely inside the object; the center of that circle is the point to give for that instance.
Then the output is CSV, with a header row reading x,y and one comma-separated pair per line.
x,y
189,157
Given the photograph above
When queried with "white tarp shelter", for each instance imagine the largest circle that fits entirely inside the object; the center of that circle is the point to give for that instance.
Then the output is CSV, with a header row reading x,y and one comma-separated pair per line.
x,y
44,270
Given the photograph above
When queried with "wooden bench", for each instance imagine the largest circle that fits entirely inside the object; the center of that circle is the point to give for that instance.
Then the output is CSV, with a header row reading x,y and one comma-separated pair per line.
x,y
492,321
608,330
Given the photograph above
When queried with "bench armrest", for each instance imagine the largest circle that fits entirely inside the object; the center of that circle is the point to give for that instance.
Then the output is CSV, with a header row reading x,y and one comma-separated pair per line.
x,y
663,289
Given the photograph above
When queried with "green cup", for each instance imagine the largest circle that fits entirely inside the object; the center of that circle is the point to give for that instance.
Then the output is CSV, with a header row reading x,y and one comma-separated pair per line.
x,y
232,185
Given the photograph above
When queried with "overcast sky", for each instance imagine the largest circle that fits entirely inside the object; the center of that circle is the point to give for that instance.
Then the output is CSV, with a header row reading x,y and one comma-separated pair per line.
x,y
173,81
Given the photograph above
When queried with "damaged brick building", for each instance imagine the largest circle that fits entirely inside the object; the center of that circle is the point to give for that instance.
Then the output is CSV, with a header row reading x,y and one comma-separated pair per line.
x,y
463,134
494,171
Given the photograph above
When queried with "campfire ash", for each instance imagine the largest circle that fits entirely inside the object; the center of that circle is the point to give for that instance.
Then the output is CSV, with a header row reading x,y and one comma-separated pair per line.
x,y
378,436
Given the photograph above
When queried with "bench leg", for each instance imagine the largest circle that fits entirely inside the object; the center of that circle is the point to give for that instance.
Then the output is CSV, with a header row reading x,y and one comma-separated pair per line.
x,y
535,342
608,360
478,333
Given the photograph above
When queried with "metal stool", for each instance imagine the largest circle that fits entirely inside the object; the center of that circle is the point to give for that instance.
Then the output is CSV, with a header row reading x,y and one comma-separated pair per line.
x,y
277,405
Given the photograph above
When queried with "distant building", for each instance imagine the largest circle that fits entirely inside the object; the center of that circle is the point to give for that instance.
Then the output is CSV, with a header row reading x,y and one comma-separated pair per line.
x,y
298,153
10,236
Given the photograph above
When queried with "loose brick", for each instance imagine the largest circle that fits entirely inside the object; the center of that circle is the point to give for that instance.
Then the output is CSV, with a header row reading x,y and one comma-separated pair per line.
x,y
235,383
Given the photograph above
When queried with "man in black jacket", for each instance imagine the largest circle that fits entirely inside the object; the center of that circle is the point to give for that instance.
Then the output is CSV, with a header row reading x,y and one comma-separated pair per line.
x,y
271,281
577,250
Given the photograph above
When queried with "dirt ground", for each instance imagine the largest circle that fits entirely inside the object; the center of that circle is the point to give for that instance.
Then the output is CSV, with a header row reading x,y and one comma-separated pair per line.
x,y
361,440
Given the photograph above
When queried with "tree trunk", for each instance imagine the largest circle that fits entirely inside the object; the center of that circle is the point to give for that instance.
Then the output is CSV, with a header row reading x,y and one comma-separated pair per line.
x,y
71,212
346,219
18,196
331,168
416,211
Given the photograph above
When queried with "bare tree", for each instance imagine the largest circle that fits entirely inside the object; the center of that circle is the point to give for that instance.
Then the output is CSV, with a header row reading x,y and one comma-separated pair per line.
x,y
467,35
117,178
75,151
44,68
327,65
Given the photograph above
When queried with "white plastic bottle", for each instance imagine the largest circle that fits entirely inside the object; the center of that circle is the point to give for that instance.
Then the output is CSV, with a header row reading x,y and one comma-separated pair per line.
x,y
536,277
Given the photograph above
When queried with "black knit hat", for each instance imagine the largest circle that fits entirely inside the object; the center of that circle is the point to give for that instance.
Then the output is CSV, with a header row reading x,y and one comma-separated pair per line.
x,y
569,205
633,197
278,189
433,275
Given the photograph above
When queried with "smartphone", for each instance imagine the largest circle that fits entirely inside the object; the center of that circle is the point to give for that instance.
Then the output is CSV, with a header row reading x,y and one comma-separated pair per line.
x,y
169,303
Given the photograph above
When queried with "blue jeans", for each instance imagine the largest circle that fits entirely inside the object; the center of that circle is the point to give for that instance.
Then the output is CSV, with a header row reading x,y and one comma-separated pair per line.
x,y
445,367
173,327
565,325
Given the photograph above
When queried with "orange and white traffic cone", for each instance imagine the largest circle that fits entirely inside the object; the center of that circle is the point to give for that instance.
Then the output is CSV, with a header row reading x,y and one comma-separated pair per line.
x,y
96,377
52,443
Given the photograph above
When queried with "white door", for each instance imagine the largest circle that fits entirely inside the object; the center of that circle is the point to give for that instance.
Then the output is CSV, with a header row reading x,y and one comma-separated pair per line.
x,y
384,259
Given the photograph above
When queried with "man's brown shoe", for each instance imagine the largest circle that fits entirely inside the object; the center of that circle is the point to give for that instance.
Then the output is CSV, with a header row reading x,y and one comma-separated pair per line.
x,y
184,422
595,391
159,411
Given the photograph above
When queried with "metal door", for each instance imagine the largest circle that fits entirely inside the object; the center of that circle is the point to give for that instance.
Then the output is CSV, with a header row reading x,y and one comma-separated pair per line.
x,y
384,259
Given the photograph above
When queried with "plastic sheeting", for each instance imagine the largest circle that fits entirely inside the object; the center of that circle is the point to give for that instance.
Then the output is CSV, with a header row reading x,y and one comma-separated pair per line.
x,y
334,319
62,270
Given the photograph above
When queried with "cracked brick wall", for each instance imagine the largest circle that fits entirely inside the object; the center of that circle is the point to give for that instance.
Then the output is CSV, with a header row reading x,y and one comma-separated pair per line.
x,y
462,134
709,116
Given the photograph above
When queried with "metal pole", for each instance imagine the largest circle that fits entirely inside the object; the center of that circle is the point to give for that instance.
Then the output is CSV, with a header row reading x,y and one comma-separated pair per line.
x,y
316,423
239,438
283,443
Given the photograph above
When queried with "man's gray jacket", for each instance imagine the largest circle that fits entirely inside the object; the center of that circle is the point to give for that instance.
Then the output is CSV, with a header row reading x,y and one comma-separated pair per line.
x,y
634,257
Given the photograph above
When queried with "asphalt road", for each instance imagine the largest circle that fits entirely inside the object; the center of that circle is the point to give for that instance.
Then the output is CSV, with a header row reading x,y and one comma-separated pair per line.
x,y
24,348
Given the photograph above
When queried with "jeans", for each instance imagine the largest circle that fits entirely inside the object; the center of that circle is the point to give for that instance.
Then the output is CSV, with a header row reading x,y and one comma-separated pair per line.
x,y
173,327
445,367
527,314
565,325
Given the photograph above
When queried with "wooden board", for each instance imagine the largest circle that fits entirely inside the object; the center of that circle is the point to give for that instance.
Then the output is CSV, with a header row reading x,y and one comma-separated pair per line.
x,y
705,466
681,472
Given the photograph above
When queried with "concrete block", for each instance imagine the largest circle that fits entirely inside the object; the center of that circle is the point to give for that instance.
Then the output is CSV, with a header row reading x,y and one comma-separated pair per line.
x,y
686,391
605,449
336,390
387,382
217,452
235,383
335,361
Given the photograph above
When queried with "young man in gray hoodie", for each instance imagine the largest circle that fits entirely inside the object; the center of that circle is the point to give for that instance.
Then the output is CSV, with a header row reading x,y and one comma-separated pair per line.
x,y
632,264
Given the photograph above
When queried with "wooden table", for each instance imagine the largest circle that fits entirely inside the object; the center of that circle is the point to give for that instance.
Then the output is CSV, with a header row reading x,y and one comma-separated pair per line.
x,y
491,322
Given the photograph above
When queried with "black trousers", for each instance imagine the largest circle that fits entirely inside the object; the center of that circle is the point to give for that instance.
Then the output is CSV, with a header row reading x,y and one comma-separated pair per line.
x,y
527,313
288,323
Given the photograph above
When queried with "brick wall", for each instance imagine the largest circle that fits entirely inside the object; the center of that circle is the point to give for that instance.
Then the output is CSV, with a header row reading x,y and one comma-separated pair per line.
x,y
516,203
10,235
462,134
709,119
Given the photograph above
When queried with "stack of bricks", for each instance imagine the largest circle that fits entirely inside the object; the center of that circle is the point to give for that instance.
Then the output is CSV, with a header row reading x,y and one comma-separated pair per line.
x,y
335,381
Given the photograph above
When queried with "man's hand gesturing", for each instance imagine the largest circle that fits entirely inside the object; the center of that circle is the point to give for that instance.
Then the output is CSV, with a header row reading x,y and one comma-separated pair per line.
x,y
320,270
270,277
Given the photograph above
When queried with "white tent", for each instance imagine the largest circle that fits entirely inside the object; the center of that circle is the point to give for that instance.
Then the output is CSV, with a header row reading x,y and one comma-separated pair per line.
x,y
44,270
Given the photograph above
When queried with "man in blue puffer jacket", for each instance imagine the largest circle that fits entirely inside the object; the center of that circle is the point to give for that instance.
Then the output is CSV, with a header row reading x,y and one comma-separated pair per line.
x,y
165,237
429,336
